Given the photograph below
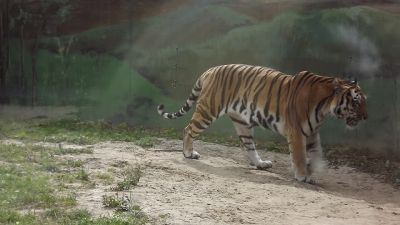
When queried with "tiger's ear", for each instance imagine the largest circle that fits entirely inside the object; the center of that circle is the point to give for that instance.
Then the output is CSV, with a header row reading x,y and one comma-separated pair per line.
x,y
337,87
354,82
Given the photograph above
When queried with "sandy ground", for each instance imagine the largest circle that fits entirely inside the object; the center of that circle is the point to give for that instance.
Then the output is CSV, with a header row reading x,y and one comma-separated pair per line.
x,y
221,188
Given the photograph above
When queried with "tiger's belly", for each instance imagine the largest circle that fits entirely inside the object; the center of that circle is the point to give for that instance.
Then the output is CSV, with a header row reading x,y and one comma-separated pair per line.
x,y
256,117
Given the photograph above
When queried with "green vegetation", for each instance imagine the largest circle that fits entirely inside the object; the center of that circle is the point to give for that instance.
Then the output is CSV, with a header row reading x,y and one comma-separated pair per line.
x,y
77,132
106,178
81,217
113,201
34,188
131,177
90,132
26,183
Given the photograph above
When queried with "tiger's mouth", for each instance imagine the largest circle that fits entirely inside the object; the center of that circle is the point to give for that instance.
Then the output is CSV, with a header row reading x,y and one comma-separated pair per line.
x,y
352,122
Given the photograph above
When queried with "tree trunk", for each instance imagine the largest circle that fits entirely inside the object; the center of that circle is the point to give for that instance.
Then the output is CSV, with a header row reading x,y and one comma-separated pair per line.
x,y
22,80
34,72
4,51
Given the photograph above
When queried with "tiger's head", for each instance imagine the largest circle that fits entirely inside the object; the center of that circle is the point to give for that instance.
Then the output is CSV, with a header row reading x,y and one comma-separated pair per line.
x,y
349,103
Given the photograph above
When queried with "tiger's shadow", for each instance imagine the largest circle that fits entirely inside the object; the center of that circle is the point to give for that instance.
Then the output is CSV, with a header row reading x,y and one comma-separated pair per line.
x,y
336,183
278,174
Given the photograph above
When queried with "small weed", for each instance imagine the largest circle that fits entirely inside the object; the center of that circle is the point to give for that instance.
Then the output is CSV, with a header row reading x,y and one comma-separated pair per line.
x,y
105,177
120,163
74,151
131,179
8,216
51,167
113,202
146,142
82,175
76,215
123,206
75,163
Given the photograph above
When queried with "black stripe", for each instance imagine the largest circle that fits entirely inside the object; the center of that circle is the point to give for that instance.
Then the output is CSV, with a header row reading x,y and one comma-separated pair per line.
x,y
204,115
223,95
314,80
275,128
302,80
246,76
235,90
186,107
310,145
198,125
239,121
193,97
309,124
325,79
218,78
259,117
252,76
207,123
247,143
302,131
244,136
242,107
235,69
320,104
341,100
258,89
264,124
229,81
270,119
266,108
235,104
278,99
197,89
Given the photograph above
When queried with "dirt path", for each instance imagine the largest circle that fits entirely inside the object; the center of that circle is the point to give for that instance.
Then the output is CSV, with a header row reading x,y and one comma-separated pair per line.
x,y
221,188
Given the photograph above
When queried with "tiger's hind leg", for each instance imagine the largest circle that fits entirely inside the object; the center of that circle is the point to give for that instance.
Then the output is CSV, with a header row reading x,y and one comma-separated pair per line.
x,y
197,125
245,133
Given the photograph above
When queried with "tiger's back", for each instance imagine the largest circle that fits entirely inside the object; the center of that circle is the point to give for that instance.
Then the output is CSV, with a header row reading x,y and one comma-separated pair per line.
x,y
252,93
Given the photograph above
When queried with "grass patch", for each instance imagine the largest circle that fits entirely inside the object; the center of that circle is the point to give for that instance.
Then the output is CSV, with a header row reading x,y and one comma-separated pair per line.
x,y
131,179
25,179
90,132
33,180
82,175
78,132
73,151
106,178
70,217
126,211
75,163
13,217
113,202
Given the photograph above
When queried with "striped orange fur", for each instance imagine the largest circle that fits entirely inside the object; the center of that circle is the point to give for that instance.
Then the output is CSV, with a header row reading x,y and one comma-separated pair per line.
x,y
292,105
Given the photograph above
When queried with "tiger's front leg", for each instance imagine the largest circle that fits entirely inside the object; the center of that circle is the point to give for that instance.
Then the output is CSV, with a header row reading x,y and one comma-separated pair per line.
x,y
314,153
297,147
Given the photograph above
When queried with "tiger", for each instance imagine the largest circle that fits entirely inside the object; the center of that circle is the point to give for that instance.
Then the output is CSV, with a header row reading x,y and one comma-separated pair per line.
x,y
293,106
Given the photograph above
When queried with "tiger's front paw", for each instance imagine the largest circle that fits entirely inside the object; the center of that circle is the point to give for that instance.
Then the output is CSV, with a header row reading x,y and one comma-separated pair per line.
x,y
305,179
193,155
262,165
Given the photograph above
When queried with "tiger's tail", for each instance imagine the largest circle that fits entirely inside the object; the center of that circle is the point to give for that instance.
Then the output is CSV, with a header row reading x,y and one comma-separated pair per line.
x,y
186,107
